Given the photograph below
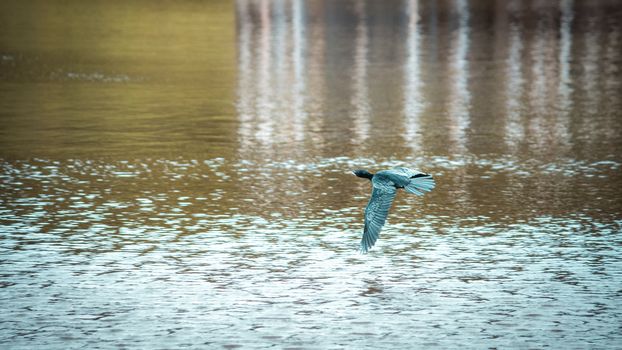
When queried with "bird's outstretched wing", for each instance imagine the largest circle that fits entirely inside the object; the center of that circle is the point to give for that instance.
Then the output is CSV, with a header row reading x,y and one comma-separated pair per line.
x,y
376,212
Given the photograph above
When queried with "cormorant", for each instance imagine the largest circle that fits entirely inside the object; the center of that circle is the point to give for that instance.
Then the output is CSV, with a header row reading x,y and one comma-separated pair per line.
x,y
384,187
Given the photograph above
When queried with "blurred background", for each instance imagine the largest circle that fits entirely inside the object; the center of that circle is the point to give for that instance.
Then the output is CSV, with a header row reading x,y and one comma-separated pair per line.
x,y
176,173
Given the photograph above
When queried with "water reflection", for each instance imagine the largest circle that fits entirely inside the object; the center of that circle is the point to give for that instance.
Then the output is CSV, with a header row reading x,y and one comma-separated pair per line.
x,y
611,69
298,54
204,176
564,86
515,130
459,93
360,97
590,64
295,68
565,46
413,99
272,66
542,91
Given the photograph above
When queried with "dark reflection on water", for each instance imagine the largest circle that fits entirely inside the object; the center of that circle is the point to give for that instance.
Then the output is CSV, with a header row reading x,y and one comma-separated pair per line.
x,y
176,175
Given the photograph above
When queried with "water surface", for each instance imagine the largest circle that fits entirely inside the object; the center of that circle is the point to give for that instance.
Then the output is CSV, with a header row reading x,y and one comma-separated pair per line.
x,y
177,174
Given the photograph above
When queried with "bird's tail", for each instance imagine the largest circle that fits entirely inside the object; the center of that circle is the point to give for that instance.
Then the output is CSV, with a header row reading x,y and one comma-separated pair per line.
x,y
420,184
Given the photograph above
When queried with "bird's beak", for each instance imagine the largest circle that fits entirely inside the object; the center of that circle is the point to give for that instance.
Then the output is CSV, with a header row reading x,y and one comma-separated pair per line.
x,y
352,172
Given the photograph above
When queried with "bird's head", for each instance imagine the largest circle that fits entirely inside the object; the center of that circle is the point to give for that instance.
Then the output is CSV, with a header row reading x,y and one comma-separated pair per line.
x,y
363,173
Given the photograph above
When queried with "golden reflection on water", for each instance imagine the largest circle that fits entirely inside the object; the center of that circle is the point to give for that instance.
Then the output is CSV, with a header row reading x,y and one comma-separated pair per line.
x,y
485,97
300,83
100,79
310,77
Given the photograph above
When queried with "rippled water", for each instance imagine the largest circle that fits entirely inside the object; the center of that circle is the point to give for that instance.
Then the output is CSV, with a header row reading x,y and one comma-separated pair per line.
x,y
177,174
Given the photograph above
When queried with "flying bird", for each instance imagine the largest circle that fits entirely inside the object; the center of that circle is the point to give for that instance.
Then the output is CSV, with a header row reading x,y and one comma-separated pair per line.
x,y
385,184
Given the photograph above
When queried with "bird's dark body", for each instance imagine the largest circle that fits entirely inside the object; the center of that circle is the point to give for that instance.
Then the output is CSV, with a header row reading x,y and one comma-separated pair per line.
x,y
384,188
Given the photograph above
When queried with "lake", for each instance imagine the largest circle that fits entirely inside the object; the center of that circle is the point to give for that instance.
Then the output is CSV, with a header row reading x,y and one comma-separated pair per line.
x,y
178,174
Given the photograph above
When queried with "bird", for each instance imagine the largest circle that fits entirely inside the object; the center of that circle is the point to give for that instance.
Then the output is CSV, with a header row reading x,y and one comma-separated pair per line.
x,y
385,184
